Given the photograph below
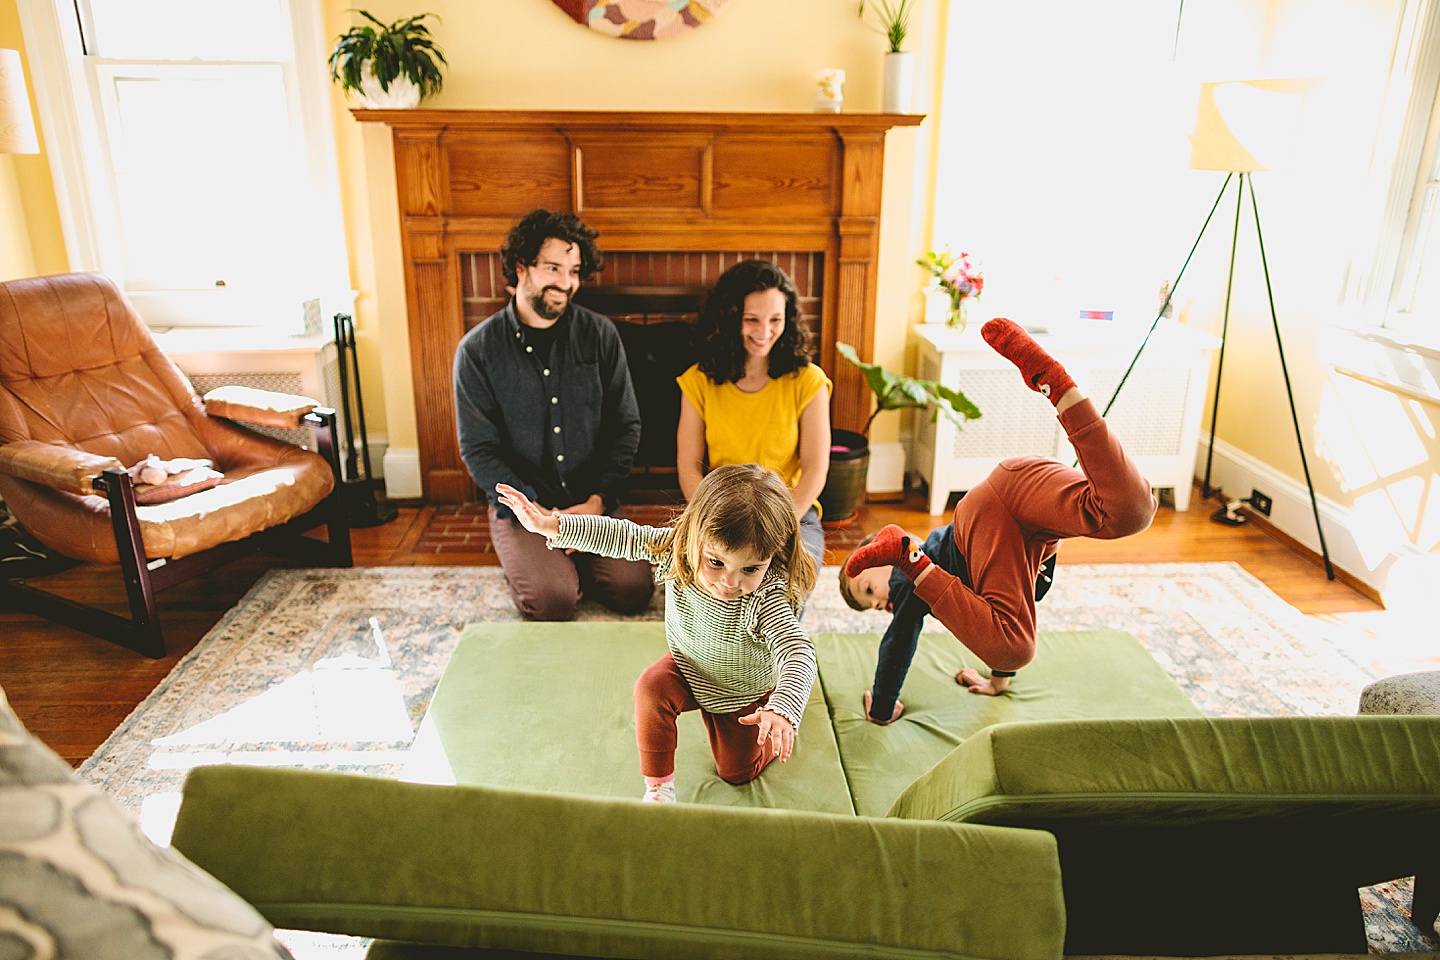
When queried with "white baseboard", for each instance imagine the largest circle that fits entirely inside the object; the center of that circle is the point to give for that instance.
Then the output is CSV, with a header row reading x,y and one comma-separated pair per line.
x,y
401,466
379,447
1367,548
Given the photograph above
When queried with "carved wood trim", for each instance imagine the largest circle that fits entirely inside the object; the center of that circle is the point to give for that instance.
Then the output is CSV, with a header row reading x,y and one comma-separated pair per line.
x,y
647,181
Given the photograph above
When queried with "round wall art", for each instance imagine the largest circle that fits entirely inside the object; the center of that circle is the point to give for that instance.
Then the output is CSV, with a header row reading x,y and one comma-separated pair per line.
x,y
642,19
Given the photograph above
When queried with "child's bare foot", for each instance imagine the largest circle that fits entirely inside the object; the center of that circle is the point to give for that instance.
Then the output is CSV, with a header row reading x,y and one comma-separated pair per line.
x,y
972,680
895,715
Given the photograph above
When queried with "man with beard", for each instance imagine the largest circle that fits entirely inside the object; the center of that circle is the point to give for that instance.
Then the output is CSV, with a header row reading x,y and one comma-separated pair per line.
x,y
544,403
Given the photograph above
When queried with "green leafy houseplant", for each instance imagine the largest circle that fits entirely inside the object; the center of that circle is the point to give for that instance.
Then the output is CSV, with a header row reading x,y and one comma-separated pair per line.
x,y
894,17
403,49
899,392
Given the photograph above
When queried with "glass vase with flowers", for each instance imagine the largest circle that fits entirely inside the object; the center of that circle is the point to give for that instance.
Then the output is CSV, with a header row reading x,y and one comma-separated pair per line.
x,y
955,280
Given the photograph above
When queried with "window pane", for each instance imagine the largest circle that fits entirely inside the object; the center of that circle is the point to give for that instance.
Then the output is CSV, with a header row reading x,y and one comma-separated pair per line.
x,y
187,29
208,178
1418,306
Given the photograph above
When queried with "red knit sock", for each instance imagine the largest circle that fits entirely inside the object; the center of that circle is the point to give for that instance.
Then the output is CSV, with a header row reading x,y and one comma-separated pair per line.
x,y
891,547
1042,372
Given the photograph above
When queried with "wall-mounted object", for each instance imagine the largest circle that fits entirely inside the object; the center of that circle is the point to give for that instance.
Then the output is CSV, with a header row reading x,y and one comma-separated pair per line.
x,y
642,19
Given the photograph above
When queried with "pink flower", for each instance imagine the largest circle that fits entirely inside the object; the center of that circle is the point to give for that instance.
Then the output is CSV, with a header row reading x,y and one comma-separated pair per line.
x,y
956,274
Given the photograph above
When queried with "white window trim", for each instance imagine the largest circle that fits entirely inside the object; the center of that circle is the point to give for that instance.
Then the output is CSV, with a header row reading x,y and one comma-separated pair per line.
x,y
1404,360
76,161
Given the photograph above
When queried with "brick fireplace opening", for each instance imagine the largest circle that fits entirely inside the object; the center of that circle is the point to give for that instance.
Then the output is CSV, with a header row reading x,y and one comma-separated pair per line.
x,y
654,297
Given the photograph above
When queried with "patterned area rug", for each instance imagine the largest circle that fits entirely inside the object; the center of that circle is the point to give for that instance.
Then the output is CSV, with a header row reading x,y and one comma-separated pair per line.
x,y
334,669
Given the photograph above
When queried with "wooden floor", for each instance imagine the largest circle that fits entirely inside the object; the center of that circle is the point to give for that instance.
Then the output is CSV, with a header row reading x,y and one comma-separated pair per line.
x,y
72,690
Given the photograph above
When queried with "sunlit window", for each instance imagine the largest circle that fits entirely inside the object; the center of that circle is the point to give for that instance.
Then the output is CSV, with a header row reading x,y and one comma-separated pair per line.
x,y
204,180
1413,307
1415,299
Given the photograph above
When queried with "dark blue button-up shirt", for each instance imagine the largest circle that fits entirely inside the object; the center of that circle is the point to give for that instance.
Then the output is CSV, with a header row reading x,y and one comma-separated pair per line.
x,y
559,430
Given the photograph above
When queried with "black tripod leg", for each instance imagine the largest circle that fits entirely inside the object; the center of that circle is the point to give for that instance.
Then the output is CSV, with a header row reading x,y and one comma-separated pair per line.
x,y
1169,295
1289,394
1205,490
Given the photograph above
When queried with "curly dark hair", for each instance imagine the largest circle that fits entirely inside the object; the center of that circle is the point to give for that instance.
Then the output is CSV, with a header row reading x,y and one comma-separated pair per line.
x,y
523,242
722,351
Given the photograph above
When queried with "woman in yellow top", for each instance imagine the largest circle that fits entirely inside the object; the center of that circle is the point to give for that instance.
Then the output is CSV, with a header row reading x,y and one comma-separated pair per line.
x,y
755,396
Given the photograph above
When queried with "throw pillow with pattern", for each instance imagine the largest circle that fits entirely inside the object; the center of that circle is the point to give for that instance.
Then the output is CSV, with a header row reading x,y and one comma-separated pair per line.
x,y
80,881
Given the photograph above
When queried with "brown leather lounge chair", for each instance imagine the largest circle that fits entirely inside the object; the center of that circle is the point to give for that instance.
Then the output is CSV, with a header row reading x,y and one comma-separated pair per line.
x,y
84,394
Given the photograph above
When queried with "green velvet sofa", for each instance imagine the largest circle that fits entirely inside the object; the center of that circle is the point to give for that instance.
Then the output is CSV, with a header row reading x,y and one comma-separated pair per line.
x,y
1092,810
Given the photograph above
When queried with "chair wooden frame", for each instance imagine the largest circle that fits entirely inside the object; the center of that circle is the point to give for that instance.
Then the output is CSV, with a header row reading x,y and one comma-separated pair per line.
x,y
144,577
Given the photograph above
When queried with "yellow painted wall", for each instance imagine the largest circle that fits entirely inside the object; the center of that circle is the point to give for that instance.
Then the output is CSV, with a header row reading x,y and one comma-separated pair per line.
x,y
1370,453
31,242
758,55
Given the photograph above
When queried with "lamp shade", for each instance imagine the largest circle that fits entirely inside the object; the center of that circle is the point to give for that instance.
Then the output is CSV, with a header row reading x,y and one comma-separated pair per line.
x,y
1246,125
17,128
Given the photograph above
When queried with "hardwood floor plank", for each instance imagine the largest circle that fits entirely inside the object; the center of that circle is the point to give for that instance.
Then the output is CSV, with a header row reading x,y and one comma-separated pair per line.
x,y
73,690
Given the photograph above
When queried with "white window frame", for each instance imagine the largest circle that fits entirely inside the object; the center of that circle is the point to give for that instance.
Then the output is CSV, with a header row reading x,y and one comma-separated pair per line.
x,y
1373,341
71,117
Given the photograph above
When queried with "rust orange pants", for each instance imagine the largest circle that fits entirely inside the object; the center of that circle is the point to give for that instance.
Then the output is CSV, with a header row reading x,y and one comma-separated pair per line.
x,y
661,695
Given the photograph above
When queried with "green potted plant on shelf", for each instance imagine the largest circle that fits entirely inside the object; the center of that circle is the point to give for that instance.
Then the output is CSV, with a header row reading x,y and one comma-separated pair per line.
x,y
850,451
388,66
894,19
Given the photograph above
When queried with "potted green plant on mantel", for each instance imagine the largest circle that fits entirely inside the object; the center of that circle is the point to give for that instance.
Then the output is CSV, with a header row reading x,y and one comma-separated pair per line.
x,y
388,66
850,451
894,18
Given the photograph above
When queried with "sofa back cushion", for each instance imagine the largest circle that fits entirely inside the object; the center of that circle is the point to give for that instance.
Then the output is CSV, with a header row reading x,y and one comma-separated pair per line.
x,y
1182,770
589,876
1076,674
1181,814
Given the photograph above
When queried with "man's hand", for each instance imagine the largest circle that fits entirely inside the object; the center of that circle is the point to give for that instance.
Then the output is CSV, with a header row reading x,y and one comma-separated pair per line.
x,y
595,506
775,728
531,515
971,679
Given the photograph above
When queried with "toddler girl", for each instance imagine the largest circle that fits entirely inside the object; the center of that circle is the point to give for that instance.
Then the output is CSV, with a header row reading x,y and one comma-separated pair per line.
x,y
735,572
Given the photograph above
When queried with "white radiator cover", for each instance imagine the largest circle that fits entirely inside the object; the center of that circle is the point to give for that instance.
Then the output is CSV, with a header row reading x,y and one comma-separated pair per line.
x,y
1157,414
304,366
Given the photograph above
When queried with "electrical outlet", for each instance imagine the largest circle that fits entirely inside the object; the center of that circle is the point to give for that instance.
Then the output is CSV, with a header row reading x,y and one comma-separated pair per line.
x,y
1260,502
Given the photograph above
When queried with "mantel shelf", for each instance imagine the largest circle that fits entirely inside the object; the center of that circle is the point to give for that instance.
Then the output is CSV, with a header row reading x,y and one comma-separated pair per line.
x,y
422,117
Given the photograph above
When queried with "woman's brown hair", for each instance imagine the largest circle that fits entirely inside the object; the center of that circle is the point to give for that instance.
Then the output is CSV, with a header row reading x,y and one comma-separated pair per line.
x,y
722,349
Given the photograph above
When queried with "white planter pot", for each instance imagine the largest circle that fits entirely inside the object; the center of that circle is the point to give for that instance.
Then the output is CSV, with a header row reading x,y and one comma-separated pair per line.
x,y
899,82
402,95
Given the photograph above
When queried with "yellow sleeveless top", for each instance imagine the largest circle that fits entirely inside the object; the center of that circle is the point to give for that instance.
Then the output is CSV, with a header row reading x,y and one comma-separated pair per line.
x,y
761,427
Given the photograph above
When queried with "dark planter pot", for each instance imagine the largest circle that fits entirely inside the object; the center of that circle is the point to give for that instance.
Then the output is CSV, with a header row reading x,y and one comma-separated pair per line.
x,y
845,483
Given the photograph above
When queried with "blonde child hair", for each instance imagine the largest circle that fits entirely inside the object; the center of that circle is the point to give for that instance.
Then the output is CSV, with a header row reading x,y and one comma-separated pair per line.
x,y
741,507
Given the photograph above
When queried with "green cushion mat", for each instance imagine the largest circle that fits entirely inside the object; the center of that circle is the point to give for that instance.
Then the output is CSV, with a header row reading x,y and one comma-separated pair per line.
x,y
547,706
1076,675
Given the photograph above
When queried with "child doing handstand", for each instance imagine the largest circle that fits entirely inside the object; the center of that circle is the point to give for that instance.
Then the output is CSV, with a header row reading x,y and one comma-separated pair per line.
x,y
735,573
978,575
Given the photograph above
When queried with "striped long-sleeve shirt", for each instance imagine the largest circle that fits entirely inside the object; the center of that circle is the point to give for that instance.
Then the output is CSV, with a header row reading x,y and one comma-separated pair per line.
x,y
731,652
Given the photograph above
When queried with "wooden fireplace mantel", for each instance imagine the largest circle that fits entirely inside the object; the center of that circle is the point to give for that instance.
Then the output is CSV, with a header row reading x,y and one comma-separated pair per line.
x,y
647,181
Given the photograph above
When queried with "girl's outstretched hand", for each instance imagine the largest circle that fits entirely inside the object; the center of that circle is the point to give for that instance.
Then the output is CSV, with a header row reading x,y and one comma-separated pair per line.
x,y
773,727
531,517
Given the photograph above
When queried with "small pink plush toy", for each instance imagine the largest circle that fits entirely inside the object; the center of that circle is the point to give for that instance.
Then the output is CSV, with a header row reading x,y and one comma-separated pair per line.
x,y
157,472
